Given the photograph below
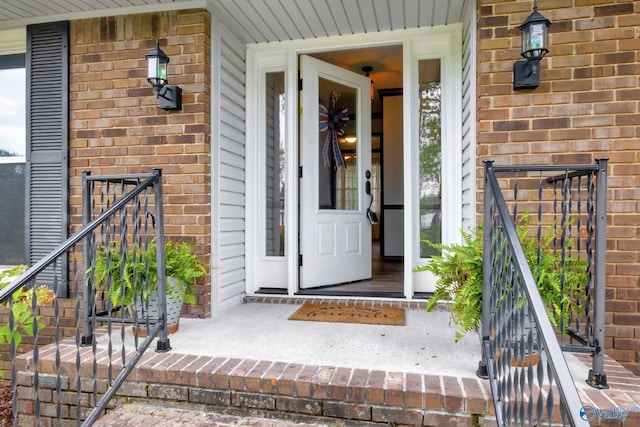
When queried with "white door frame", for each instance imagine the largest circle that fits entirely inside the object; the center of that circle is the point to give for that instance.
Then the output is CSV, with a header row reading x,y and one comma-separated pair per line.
x,y
445,43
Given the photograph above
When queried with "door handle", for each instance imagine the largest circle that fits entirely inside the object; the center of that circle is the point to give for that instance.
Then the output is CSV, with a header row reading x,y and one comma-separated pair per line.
x,y
371,215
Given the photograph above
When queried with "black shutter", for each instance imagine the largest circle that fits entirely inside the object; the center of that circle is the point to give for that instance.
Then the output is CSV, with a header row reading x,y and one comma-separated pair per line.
x,y
47,67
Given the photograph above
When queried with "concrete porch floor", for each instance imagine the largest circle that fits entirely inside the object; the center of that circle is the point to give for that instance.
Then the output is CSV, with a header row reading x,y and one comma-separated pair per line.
x,y
259,362
425,344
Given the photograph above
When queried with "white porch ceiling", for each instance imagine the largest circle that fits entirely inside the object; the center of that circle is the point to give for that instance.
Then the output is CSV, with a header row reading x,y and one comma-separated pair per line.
x,y
256,21
278,20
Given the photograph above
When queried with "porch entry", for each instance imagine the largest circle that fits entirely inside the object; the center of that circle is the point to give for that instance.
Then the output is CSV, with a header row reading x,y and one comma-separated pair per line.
x,y
325,152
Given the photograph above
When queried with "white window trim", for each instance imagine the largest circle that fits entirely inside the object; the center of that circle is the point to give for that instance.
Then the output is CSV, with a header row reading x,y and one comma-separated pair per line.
x,y
442,42
449,51
262,269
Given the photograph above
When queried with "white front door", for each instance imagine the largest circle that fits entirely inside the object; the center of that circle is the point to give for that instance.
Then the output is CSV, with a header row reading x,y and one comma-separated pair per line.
x,y
335,155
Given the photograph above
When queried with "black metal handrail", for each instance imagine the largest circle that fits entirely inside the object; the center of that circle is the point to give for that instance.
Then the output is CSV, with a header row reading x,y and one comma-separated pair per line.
x,y
117,216
517,333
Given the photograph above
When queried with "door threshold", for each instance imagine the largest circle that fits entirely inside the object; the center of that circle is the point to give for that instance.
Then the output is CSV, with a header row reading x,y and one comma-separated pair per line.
x,y
342,293
271,291
336,293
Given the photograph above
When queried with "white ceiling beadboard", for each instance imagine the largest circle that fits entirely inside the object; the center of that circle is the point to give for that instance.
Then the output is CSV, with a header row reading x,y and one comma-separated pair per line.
x,y
255,21
277,20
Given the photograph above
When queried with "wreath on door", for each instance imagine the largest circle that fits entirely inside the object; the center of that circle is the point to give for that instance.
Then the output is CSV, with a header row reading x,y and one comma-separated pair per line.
x,y
333,121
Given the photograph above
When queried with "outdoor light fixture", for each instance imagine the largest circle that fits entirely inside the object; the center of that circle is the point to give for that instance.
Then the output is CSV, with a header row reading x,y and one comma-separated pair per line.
x,y
535,43
367,69
170,96
350,139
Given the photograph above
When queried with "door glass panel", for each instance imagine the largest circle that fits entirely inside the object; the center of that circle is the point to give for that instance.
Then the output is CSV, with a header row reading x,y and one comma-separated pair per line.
x,y
338,147
275,161
430,157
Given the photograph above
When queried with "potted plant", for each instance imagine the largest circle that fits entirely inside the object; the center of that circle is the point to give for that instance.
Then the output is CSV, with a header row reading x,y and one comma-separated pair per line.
x,y
459,277
130,272
21,307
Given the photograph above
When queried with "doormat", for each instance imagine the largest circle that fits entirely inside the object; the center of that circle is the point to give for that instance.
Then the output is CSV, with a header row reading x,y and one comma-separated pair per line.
x,y
350,314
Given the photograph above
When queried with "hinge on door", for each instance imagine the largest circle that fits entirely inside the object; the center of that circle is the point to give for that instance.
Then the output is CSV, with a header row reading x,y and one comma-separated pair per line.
x,y
299,171
300,260
299,84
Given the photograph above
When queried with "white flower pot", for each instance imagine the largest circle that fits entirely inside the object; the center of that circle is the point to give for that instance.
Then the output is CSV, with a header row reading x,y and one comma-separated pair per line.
x,y
174,307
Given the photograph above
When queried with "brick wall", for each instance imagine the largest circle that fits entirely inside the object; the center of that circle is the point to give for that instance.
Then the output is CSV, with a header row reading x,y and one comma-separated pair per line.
x,y
586,107
116,125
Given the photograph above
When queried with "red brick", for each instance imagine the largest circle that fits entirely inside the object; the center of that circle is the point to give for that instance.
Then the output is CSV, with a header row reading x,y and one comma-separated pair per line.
x,y
238,374
286,383
396,416
220,376
252,378
298,406
321,381
347,411
394,389
168,392
434,398
304,381
269,381
445,419
357,388
375,389
210,397
453,395
244,399
476,401
414,392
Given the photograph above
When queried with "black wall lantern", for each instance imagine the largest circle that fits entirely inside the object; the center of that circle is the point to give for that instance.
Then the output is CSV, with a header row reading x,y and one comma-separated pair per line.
x,y
170,96
535,44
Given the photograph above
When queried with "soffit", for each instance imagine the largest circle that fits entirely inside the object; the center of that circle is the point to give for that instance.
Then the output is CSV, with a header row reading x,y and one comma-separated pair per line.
x,y
277,20
256,21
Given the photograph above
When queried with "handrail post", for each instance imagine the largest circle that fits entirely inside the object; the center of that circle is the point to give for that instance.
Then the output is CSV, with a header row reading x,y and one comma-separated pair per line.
x,y
163,344
485,331
87,251
597,378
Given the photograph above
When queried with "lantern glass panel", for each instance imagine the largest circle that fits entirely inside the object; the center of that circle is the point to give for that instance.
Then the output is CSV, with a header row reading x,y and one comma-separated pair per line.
x,y
157,69
152,67
534,40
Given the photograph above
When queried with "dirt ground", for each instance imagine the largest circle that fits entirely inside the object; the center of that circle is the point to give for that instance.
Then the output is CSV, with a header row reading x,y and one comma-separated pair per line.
x,y
6,397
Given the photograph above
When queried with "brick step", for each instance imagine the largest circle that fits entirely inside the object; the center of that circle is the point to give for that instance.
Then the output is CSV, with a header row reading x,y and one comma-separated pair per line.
x,y
158,414
285,389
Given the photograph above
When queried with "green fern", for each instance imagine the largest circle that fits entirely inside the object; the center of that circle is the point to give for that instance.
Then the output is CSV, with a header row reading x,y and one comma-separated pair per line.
x,y
130,271
459,276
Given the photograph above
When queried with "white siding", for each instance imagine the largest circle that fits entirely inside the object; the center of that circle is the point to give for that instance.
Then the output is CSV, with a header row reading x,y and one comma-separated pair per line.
x,y
228,168
469,187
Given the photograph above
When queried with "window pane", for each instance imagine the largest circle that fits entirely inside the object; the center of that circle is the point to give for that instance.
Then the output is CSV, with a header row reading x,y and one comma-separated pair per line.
x,y
12,164
430,159
275,161
12,114
338,147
